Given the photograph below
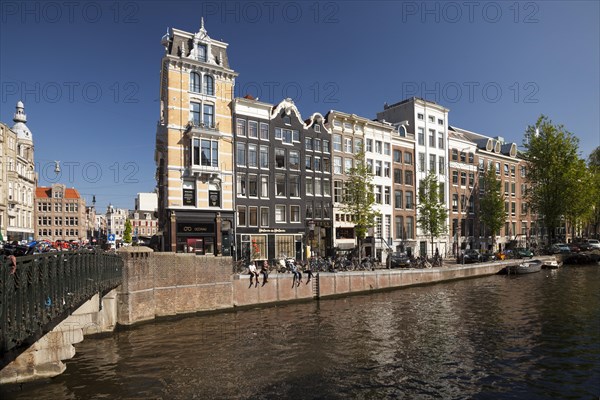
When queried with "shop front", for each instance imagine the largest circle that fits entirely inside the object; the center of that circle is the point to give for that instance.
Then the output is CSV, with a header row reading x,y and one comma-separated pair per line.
x,y
202,234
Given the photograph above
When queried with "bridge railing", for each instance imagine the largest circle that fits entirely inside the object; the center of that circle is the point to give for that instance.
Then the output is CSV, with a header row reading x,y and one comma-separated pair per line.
x,y
46,288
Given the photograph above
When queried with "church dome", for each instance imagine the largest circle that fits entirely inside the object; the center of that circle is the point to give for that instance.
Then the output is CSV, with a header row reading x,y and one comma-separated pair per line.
x,y
20,126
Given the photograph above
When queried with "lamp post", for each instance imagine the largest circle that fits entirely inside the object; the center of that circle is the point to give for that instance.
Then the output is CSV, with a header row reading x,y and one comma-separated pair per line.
x,y
311,235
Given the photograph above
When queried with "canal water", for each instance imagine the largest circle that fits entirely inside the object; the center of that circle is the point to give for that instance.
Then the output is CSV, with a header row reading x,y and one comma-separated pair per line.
x,y
520,337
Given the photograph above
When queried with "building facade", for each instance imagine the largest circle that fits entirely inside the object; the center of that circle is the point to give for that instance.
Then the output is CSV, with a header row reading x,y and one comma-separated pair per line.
x,y
115,221
17,179
60,214
430,123
283,184
350,134
194,144
144,223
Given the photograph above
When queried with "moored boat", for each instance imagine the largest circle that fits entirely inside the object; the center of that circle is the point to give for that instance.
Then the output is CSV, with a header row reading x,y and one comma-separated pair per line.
x,y
526,267
551,264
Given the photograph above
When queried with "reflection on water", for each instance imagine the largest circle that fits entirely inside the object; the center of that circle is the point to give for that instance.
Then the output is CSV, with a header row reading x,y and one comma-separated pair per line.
x,y
535,336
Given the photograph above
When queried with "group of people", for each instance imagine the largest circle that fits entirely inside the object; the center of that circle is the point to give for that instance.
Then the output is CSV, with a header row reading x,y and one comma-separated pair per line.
x,y
291,265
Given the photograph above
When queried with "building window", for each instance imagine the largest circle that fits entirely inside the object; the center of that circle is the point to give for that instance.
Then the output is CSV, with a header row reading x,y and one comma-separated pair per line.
x,y
264,131
410,227
294,186
397,156
378,168
241,185
209,85
241,154
325,146
421,161
378,148
308,163
421,136
348,165
420,116
252,216
337,191
369,145
264,216
337,165
195,82
337,142
409,199
309,186
252,186
252,129
348,145
387,195
431,138
317,143
205,152
201,52
294,160
431,118
264,186
240,127
264,157
432,163
397,176
463,179
195,113
209,115
408,178
279,158
252,155
280,185
398,199
308,144
294,213
317,128
442,165
408,158
440,140
318,191
317,164
280,216
241,214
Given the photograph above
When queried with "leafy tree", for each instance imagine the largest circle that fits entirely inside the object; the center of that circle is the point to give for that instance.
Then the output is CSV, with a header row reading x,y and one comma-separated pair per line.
x,y
594,205
491,204
551,155
584,191
127,232
359,198
432,210
594,158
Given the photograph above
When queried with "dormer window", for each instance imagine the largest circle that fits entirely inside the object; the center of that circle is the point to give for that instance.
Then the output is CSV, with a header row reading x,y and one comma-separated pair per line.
x,y
57,194
201,53
317,128
287,120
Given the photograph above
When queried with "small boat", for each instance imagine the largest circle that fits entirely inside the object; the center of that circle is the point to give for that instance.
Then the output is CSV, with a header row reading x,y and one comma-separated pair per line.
x,y
526,267
551,264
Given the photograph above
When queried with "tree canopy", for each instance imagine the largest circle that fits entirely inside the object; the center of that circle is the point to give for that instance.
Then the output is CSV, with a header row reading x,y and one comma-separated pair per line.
x,y
432,210
491,203
359,197
553,171
127,231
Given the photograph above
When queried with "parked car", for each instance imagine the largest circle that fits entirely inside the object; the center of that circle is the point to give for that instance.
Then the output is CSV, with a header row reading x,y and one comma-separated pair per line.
x,y
574,247
557,248
591,244
487,256
471,256
398,260
522,252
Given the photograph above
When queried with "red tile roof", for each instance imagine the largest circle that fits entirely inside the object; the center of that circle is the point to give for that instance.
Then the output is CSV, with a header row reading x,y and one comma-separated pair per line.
x,y
46,193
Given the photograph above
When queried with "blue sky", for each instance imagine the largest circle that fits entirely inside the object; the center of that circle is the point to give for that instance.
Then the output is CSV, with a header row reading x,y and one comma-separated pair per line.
x,y
88,71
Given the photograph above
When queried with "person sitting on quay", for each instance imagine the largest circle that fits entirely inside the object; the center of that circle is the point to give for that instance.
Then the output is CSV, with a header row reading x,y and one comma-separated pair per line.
x,y
253,273
265,272
308,272
297,274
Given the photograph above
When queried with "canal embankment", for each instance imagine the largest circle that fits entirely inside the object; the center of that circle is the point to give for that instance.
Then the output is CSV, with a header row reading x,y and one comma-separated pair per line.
x,y
168,284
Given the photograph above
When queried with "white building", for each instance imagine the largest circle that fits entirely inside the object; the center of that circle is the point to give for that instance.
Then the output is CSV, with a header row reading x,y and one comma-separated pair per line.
x,y
146,201
430,122
115,221
17,179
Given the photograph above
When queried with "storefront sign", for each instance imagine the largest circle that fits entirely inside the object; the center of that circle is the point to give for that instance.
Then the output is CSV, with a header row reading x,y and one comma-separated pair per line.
x,y
195,227
273,230
189,197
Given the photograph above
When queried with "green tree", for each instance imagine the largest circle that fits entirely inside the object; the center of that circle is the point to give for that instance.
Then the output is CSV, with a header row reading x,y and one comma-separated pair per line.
x,y
359,198
127,231
594,205
551,155
584,192
491,204
432,210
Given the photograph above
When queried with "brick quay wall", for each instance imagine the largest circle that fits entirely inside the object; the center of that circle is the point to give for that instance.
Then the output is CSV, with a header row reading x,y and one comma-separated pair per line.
x,y
167,284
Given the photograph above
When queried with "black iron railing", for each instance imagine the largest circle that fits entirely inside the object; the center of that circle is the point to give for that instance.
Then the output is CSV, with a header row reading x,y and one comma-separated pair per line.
x,y
45,289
